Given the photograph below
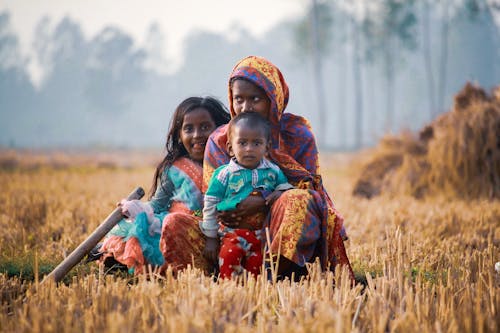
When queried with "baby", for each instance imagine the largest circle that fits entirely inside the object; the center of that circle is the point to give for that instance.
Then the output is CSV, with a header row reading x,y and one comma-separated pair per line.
x,y
248,173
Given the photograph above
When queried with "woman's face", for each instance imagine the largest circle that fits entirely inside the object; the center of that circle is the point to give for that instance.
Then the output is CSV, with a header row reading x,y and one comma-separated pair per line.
x,y
196,128
249,97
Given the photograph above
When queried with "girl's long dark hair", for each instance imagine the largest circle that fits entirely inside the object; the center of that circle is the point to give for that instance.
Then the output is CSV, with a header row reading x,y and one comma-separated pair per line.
x,y
174,147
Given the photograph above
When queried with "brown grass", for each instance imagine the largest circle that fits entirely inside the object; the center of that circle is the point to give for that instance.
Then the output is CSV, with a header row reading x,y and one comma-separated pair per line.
x,y
457,155
429,264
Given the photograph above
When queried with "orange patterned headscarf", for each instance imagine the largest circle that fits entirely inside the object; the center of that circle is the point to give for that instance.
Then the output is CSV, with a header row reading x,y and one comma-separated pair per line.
x,y
267,76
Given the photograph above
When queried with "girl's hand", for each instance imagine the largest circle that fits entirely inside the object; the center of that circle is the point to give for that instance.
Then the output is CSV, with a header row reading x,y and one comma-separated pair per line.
x,y
211,250
251,205
131,208
124,207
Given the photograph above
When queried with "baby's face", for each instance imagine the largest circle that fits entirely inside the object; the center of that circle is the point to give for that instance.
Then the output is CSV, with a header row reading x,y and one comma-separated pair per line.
x,y
248,145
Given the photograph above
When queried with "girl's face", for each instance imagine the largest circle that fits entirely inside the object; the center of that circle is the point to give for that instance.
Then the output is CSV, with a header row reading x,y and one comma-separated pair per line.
x,y
249,97
196,128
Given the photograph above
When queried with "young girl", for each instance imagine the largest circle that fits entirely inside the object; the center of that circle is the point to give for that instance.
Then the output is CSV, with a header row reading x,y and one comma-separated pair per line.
x,y
177,182
247,173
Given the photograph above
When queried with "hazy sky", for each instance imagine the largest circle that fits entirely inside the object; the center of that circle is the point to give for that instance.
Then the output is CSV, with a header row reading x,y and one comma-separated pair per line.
x,y
176,17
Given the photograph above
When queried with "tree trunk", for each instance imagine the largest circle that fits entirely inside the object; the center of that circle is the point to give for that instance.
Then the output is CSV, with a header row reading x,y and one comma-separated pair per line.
x,y
389,75
444,57
426,48
318,76
341,126
358,87
341,89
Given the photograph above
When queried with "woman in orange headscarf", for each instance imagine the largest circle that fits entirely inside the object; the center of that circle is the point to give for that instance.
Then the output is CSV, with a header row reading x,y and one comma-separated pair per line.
x,y
303,223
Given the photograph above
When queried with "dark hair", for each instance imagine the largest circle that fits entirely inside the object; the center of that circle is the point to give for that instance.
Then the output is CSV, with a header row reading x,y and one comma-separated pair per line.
x,y
173,146
252,120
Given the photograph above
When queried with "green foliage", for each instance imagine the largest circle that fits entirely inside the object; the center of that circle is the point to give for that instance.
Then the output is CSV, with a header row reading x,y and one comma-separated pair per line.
x,y
24,267
303,30
394,23
473,10
426,276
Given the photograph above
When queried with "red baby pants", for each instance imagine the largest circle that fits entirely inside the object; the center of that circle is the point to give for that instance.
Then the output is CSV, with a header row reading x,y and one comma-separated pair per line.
x,y
240,249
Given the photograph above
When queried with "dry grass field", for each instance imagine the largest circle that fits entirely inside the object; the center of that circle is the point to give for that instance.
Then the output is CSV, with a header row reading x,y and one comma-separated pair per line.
x,y
429,264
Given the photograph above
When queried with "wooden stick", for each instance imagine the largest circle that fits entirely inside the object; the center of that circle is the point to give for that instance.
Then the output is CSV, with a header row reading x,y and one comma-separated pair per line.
x,y
77,255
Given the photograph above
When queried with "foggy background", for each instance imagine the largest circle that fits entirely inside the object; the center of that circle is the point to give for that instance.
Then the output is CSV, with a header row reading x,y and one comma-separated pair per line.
x,y
356,70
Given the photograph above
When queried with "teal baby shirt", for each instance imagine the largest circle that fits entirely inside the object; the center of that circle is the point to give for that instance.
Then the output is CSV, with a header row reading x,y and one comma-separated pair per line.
x,y
231,183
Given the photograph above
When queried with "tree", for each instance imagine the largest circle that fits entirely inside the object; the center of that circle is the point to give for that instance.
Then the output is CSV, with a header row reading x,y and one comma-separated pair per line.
x,y
16,90
456,23
313,37
357,20
115,70
389,28
473,44
61,52
154,48
427,54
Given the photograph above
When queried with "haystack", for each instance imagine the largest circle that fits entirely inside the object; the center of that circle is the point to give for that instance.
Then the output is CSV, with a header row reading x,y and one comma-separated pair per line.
x,y
457,155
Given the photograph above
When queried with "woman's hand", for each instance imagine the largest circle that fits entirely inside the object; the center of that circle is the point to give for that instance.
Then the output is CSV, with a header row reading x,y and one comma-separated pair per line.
x,y
249,206
271,198
211,250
